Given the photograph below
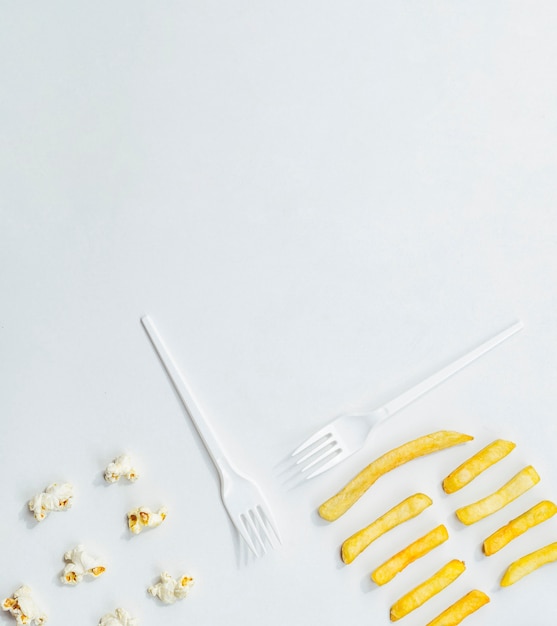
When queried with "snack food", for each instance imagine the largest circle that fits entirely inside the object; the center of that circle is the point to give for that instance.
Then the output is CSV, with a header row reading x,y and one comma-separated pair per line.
x,y
532,517
24,608
388,570
120,617
168,589
338,504
460,609
55,497
81,563
476,464
528,563
519,484
405,510
142,518
120,466
426,590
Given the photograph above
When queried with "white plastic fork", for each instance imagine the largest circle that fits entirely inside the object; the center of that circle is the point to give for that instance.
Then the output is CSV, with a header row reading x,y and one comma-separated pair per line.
x,y
347,434
242,498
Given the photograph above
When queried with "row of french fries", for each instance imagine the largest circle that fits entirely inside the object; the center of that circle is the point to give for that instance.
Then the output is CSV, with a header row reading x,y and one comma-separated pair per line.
x,y
412,506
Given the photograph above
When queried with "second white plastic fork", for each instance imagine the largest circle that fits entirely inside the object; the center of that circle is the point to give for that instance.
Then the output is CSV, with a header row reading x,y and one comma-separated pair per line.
x,y
346,434
242,498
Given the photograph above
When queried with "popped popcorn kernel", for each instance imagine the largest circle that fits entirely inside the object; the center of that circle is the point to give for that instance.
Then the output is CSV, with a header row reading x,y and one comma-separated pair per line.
x,y
120,617
168,589
56,497
24,608
81,563
120,467
142,517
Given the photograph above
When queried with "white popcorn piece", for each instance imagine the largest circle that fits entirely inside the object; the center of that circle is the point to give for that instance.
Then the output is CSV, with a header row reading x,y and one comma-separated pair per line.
x,y
120,617
142,517
168,589
81,563
24,608
121,466
55,497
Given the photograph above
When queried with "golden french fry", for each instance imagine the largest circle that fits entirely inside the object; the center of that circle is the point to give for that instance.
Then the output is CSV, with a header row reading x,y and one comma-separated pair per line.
x,y
460,609
334,507
426,590
476,464
532,517
519,484
527,564
386,572
405,510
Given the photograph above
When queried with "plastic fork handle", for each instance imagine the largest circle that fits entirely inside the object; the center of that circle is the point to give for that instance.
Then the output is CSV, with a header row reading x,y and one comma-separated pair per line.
x,y
203,427
418,390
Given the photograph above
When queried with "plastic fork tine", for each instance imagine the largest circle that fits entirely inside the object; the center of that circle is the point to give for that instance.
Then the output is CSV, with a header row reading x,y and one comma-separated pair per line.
x,y
266,524
254,529
335,454
259,529
335,458
244,528
316,452
269,521
313,441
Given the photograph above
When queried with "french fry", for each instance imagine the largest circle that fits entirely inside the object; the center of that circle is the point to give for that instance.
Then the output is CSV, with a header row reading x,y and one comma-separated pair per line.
x,y
527,564
519,484
403,511
426,590
338,504
460,609
532,517
386,572
476,464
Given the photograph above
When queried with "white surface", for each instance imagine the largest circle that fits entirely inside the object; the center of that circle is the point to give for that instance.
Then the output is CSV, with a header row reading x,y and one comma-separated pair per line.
x,y
318,203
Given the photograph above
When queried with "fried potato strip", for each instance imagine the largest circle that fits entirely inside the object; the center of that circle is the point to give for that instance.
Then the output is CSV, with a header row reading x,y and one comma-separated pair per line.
x,y
519,484
388,570
338,504
403,511
527,564
460,609
516,527
476,464
426,590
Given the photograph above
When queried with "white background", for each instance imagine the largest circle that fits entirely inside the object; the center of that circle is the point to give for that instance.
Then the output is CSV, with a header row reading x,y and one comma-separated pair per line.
x,y
318,203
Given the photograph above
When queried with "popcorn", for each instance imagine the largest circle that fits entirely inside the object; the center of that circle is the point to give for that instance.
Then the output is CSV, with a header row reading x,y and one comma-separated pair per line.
x,y
24,608
120,617
79,564
142,517
168,590
54,498
121,466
